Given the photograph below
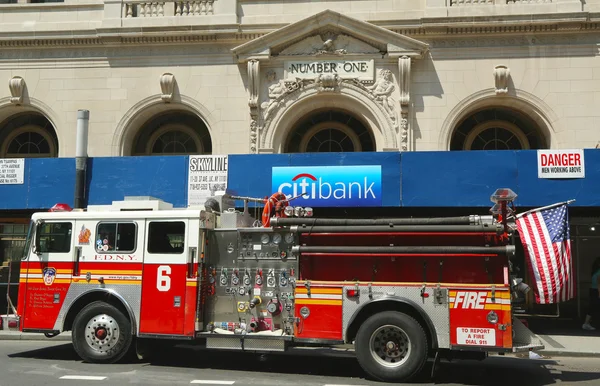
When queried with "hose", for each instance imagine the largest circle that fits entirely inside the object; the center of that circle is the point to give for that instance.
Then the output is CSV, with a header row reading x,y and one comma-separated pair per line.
x,y
396,228
462,220
507,249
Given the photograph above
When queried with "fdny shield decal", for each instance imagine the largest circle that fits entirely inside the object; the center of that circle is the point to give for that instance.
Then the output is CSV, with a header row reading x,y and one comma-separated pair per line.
x,y
49,275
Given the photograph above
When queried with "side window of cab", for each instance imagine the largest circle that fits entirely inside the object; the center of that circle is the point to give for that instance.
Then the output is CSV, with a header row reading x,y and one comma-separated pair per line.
x,y
56,237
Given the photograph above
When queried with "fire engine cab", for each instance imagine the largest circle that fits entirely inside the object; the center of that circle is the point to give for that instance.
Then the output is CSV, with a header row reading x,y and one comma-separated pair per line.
x,y
401,290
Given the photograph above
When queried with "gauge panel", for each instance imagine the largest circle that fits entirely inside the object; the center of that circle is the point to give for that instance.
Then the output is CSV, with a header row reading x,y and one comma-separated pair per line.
x,y
265,245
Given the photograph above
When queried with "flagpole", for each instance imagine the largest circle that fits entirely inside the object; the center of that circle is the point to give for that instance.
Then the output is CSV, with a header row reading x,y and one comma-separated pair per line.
x,y
546,207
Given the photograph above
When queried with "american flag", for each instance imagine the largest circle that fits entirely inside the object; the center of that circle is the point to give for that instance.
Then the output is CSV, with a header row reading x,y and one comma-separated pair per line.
x,y
546,239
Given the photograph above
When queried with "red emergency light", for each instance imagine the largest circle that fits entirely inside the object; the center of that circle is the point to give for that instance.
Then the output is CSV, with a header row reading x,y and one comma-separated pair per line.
x,y
352,293
61,208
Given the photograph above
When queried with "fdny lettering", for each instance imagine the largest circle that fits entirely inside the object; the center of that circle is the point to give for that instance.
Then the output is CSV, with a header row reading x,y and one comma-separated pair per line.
x,y
470,300
115,257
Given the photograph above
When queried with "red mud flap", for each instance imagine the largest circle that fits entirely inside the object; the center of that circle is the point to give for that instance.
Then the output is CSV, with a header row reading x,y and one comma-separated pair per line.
x,y
10,322
524,339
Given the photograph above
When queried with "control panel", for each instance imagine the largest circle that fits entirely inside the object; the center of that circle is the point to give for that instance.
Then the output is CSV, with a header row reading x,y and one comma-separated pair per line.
x,y
251,279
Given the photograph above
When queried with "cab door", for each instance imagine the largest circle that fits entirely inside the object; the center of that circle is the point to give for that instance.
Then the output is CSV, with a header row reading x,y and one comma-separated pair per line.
x,y
48,274
164,277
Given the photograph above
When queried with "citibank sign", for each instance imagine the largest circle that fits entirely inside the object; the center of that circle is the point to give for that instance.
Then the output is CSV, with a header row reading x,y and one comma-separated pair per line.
x,y
344,186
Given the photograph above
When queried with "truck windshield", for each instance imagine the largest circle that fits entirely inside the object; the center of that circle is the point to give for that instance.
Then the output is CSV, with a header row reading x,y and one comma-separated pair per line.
x,y
27,246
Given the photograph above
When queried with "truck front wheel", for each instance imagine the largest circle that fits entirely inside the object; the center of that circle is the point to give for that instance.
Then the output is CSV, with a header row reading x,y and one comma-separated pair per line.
x,y
101,333
391,346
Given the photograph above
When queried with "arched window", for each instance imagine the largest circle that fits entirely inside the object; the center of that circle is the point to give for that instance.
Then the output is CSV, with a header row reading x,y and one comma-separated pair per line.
x,y
28,135
174,139
329,131
173,133
497,129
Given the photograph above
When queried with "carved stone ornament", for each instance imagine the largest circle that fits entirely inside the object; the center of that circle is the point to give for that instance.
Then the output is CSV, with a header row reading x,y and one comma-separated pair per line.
x,y
253,88
329,44
328,82
282,92
404,81
253,135
253,82
167,86
382,90
501,74
16,85
404,131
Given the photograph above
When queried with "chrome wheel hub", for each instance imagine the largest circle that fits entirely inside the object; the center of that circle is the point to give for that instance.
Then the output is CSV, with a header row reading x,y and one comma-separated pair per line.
x,y
390,346
102,333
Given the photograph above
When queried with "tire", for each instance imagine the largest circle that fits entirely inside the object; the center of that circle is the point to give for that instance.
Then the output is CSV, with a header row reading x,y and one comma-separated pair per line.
x,y
407,352
100,320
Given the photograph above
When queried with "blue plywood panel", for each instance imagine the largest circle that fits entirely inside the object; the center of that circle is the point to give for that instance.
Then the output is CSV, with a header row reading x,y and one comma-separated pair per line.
x,y
454,179
113,178
378,175
52,180
536,191
46,181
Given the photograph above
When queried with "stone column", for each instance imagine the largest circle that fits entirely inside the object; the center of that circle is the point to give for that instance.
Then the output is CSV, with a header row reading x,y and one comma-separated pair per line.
x,y
253,89
404,84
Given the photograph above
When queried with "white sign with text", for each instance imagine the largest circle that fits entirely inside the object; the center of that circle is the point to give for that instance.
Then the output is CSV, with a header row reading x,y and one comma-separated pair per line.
x,y
561,163
207,177
12,171
473,336
308,69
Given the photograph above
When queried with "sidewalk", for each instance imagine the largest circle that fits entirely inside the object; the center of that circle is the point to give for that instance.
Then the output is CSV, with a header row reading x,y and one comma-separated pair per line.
x,y
570,346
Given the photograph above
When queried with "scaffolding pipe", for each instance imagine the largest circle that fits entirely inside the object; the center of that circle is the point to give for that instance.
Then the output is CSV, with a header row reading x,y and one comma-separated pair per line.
x,y
462,220
497,250
399,228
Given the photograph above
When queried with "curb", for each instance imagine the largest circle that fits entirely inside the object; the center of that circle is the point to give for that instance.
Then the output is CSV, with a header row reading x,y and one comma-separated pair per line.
x,y
66,337
569,354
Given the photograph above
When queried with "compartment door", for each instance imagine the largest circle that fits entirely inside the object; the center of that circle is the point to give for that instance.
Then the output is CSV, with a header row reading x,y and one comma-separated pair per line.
x,y
164,277
472,315
320,312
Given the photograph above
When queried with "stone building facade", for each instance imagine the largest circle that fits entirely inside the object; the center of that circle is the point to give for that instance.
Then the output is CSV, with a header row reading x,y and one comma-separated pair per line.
x,y
255,76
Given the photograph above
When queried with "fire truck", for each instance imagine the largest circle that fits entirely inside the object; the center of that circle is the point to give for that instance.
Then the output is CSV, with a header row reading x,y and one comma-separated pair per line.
x,y
401,291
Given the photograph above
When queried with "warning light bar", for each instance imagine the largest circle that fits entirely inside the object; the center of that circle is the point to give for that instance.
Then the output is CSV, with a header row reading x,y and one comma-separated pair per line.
x,y
61,208
503,194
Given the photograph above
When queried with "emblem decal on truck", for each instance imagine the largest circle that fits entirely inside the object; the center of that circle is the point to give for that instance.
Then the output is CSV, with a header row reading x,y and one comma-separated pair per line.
x,y
49,275
84,236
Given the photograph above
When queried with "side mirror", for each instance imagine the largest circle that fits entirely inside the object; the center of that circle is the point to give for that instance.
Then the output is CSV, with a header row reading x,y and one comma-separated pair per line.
x,y
36,243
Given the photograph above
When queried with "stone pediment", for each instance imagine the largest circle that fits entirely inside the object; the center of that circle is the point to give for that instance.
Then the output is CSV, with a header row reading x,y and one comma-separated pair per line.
x,y
329,44
330,33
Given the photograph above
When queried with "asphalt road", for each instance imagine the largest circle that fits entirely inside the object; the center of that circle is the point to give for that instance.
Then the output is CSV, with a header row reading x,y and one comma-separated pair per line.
x,y
55,363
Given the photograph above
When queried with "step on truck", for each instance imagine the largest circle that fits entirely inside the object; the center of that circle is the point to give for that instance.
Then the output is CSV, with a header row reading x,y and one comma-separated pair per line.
x,y
400,290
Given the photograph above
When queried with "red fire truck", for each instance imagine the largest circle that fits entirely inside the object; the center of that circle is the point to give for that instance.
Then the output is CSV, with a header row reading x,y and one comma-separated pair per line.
x,y
401,290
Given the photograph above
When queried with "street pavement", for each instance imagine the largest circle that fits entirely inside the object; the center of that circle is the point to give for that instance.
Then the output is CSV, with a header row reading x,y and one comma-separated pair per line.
x,y
55,363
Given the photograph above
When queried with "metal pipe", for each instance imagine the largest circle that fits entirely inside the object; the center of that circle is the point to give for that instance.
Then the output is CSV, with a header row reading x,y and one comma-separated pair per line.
x,y
81,155
462,220
507,249
395,228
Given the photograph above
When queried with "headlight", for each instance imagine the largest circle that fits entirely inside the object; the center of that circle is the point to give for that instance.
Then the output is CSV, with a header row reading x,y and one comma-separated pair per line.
x,y
308,212
298,211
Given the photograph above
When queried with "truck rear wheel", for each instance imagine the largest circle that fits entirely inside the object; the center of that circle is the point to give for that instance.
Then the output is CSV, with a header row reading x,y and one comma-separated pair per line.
x,y
101,333
391,346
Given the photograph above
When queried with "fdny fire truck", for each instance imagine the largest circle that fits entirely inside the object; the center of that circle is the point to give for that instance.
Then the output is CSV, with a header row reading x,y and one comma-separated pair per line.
x,y
400,290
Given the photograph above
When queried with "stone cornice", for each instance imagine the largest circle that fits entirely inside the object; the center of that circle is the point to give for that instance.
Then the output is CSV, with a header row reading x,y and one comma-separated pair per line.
x,y
434,28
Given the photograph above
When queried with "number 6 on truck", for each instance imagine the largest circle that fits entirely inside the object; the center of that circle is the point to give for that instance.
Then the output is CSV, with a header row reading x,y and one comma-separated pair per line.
x,y
163,282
